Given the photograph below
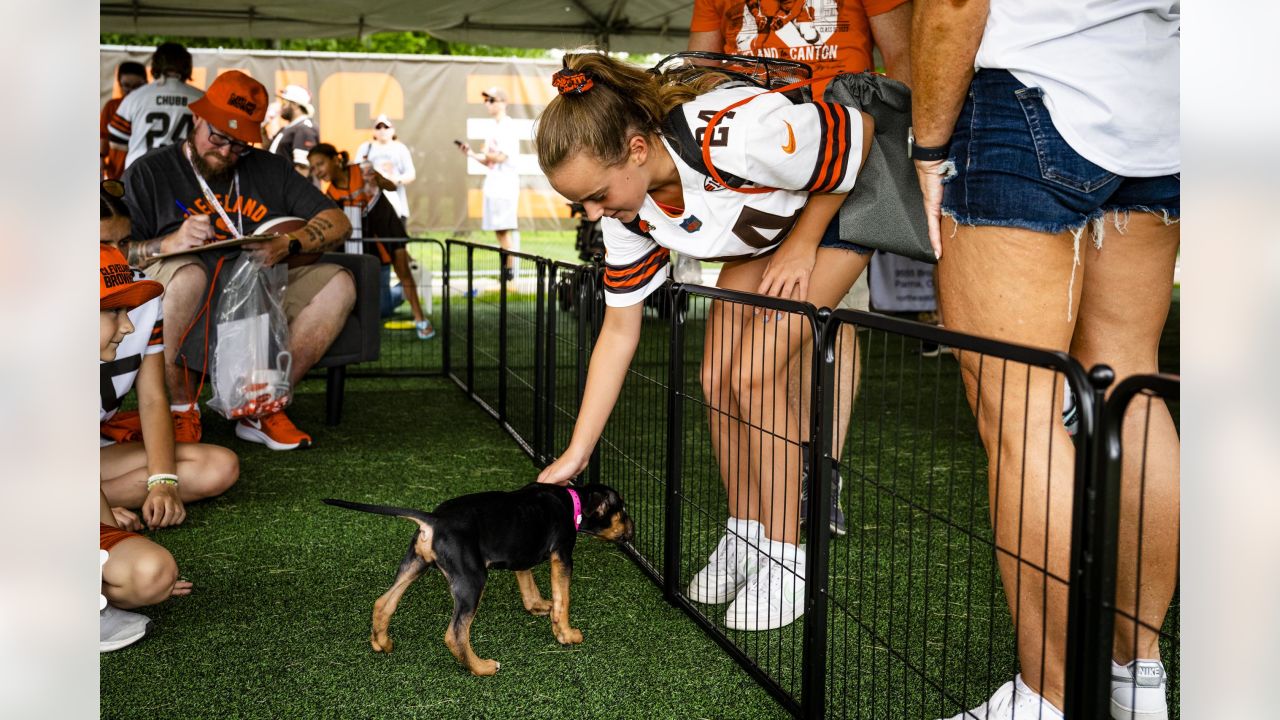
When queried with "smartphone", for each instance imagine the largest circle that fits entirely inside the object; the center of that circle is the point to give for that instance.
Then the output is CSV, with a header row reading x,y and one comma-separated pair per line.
x,y
458,143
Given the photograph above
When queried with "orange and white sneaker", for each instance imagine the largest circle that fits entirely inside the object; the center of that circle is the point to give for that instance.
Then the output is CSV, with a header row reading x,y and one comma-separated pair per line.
x,y
276,431
186,425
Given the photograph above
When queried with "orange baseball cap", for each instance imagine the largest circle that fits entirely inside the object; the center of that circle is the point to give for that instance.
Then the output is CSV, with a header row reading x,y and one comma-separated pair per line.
x,y
116,285
235,104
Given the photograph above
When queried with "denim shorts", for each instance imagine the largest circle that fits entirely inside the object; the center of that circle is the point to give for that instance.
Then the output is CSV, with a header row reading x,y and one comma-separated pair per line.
x,y
1013,169
831,239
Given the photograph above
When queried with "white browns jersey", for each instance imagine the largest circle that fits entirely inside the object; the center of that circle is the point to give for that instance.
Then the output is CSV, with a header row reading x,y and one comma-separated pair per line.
x,y
116,378
153,116
768,142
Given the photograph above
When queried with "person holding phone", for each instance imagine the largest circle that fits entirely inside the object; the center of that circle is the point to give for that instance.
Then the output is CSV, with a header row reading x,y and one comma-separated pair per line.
x,y
502,181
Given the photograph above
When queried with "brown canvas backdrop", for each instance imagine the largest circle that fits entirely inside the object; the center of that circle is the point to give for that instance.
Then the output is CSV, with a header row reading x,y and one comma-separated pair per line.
x,y
431,100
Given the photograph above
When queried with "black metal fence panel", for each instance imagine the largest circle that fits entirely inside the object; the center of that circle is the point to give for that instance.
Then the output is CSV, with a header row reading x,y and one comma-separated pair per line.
x,y
404,351
959,524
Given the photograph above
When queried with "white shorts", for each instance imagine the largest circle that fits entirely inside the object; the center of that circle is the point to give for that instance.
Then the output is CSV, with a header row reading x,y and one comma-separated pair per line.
x,y
858,296
499,214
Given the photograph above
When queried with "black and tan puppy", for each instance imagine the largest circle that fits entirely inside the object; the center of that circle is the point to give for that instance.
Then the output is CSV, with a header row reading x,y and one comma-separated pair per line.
x,y
468,535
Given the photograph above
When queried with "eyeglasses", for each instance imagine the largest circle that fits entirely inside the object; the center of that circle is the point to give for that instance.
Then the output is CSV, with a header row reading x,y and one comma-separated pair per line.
x,y
381,126
490,101
217,139
114,188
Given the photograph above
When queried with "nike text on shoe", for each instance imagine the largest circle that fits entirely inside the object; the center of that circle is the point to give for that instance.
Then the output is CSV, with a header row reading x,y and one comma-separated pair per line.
x,y
774,596
275,431
729,566
1013,701
1138,691
120,628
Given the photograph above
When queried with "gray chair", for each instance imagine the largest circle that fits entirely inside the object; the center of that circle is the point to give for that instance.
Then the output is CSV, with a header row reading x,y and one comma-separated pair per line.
x,y
359,340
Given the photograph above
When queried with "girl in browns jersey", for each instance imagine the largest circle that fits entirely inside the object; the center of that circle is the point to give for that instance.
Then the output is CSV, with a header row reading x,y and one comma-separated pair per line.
x,y
611,141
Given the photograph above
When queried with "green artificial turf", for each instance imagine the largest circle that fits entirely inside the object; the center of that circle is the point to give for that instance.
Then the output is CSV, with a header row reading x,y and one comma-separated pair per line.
x,y
278,624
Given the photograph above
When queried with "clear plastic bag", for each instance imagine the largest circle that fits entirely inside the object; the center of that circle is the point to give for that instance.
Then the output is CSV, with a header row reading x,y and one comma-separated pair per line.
x,y
251,360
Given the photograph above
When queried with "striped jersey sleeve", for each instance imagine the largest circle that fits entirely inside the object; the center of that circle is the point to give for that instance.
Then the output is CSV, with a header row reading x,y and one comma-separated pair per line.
x,y
815,147
120,127
634,264
769,141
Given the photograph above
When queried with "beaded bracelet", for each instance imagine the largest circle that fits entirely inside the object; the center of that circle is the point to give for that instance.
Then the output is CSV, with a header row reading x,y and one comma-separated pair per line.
x,y
162,479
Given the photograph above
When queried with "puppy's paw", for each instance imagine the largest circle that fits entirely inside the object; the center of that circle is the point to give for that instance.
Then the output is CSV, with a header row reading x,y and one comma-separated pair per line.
x,y
485,668
381,643
542,607
568,636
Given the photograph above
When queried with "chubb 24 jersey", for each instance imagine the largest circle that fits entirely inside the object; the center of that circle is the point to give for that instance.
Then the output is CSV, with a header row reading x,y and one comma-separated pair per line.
x,y
797,149
153,116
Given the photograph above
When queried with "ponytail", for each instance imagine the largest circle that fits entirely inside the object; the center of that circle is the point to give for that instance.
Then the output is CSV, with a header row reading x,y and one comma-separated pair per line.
x,y
604,102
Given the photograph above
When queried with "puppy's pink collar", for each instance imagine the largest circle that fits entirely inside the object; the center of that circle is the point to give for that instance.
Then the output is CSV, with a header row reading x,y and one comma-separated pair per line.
x,y
577,508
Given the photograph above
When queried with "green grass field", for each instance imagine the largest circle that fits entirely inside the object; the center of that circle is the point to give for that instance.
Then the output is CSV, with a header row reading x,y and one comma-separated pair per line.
x,y
278,623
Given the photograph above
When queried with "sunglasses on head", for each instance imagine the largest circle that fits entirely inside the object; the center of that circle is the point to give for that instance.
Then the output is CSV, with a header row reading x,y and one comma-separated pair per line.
x,y
217,139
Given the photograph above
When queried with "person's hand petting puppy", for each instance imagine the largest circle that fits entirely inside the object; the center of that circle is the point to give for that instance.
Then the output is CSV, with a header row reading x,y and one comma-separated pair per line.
x,y
564,469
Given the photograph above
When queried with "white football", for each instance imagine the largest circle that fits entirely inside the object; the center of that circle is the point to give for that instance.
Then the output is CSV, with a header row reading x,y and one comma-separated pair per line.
x,y
280,225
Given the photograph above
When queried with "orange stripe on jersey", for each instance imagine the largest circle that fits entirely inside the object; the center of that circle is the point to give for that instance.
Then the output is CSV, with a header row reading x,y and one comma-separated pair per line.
x,y
119,123
633,275
834,122
840,145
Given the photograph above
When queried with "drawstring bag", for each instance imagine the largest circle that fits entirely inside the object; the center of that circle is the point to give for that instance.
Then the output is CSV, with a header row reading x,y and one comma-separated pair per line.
x,y
251,360
886,208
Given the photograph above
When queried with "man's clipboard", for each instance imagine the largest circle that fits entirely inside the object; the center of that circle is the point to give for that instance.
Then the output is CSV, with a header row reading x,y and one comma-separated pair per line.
x,y
220,244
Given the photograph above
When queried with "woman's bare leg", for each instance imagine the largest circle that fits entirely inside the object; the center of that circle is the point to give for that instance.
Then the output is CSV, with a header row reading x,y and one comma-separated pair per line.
x,y
1122,314
762,366
400,263
729,436
1012,284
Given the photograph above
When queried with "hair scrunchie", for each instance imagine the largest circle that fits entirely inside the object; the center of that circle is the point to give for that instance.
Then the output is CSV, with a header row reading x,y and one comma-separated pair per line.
x,y
570,82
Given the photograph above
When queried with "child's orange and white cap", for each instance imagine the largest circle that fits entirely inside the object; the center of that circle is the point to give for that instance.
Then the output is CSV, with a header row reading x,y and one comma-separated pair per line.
x,y
116,284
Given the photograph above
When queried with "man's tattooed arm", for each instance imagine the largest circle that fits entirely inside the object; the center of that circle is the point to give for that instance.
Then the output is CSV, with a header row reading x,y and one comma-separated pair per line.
x,y
141,253
325,231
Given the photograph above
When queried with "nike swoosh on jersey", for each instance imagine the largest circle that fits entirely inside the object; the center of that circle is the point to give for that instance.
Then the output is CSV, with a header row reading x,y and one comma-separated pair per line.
x,y
790,147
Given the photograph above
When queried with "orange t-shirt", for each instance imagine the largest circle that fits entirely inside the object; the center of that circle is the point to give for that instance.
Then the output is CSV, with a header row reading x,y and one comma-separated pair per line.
x,y
832,36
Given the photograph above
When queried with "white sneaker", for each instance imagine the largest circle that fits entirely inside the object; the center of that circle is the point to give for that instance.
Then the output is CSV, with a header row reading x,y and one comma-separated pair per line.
x,y
120,628
1013,701
729,566
1138,691
774,596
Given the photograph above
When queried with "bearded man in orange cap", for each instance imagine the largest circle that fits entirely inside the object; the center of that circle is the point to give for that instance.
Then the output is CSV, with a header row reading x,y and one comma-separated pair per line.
x,y
217,186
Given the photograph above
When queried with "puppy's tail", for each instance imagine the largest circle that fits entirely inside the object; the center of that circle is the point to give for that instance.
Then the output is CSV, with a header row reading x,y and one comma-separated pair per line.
x,y
421,518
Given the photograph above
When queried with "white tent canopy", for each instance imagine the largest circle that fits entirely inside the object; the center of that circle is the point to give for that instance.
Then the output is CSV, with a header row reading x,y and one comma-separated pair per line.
x,y
635,26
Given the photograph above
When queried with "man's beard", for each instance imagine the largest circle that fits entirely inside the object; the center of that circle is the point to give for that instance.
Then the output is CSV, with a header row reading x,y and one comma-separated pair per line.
x,y
207,171
287,112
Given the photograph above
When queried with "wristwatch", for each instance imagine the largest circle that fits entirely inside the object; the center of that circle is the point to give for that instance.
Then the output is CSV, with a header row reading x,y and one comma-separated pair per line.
x,y
295,246
919,152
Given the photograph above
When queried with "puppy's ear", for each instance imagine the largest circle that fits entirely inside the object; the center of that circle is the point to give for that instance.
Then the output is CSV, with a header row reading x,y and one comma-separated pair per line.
x,y
596,500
